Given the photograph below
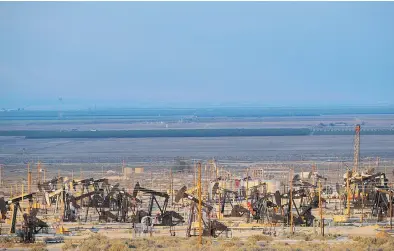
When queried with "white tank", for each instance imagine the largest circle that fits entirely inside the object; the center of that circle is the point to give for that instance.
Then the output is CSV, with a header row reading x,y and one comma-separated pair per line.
x,y
272,185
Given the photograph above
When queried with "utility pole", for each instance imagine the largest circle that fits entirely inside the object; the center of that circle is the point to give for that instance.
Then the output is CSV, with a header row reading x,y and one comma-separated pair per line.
x,y
210,195
291,202
28,178
199,206
38,172
123,166
206,182
348,194
356,148
1,175
151,179
247,185
195,174
362,204
22,188
216,170
171,187
321,211
391,209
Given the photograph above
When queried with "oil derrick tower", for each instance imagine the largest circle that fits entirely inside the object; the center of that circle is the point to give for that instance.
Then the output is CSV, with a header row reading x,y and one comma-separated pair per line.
x,y
356,149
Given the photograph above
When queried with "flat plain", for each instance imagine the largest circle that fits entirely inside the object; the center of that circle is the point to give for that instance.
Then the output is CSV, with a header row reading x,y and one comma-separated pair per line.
x,y
19,150
278,148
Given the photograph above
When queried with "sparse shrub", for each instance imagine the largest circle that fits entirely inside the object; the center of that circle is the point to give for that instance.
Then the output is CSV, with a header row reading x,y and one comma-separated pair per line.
x,y
205,241
96,242
229,244
69,245
236,239
252,243
7,242
372,243
260,237
118,246
39,249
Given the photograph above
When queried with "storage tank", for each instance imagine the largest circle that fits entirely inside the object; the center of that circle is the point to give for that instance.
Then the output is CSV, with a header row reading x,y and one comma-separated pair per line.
x,y
272,185
128,172
139,170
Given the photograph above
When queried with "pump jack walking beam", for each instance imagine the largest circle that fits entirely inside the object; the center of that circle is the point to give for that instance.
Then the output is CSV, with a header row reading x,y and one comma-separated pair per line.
x,y
153,199
15,201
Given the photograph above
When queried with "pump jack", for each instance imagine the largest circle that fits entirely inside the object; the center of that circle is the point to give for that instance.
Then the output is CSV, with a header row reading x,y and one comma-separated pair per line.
x,y
165,218
104,198
50,185
304,211
264,210
369,183
31,224
212,228
120,201
383,203
237,210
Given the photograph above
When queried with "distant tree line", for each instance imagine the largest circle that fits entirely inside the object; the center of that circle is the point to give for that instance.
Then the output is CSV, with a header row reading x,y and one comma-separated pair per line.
x,y
32,134
36,134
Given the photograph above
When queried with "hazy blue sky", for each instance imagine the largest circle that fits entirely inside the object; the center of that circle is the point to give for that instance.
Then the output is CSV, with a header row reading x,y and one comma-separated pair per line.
x,y
263,53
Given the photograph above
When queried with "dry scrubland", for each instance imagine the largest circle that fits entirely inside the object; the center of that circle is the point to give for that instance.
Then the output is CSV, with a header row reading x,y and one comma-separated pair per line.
x,y
299,241
11,242
253,243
